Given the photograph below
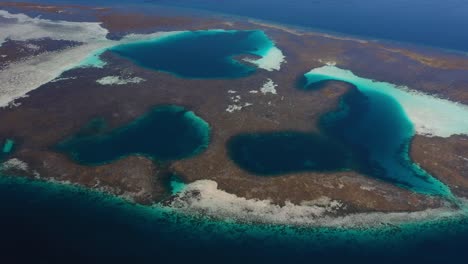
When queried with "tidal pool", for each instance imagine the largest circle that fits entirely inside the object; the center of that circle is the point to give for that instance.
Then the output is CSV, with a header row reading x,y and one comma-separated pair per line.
x,y
8,146
204,54
164,133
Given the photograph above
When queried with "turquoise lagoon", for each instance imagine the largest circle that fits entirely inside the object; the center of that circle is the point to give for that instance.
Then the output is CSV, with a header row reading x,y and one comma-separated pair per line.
x,y
164,133
382,124
203,54
370,133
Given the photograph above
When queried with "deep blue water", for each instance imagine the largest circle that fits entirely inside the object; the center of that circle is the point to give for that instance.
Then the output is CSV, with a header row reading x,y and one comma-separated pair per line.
x,y
48,223
164,133
198,54
277,153
434,23
424,22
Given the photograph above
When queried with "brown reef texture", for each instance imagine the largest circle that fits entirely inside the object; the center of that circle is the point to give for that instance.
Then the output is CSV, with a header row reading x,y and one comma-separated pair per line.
x,y
446,158
57,110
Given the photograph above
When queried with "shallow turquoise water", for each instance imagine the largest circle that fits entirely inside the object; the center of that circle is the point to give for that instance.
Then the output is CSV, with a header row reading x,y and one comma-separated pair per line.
x,y
164,133
199,54
379,131
176,184
369,133
8,146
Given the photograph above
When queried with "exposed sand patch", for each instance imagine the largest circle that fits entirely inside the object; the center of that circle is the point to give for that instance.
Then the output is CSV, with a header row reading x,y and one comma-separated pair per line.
x,y
118,80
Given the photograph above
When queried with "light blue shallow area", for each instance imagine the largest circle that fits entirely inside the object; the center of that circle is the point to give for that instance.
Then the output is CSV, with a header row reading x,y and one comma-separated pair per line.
x,y
8,146
383,128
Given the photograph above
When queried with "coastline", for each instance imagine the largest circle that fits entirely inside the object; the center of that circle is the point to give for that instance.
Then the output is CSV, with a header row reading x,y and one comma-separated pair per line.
x,y
326,36
203,13
298,29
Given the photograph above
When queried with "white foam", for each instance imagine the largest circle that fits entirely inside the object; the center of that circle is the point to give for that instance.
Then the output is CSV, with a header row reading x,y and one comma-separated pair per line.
x,y
233,108
117,80
204,198
269,87
63,79
236,104
237,107
14,164
430,115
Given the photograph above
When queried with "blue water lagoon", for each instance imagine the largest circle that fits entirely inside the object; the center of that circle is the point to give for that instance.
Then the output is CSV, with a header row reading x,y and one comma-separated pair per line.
x,y
378,120
164,133
370,132
201,54
283,152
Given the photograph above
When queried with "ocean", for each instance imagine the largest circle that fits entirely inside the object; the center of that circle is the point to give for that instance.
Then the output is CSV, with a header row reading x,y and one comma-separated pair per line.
x,y
422,22
51,223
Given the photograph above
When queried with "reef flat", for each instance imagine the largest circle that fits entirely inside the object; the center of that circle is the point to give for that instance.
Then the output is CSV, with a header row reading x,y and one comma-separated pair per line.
x,y
100,79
